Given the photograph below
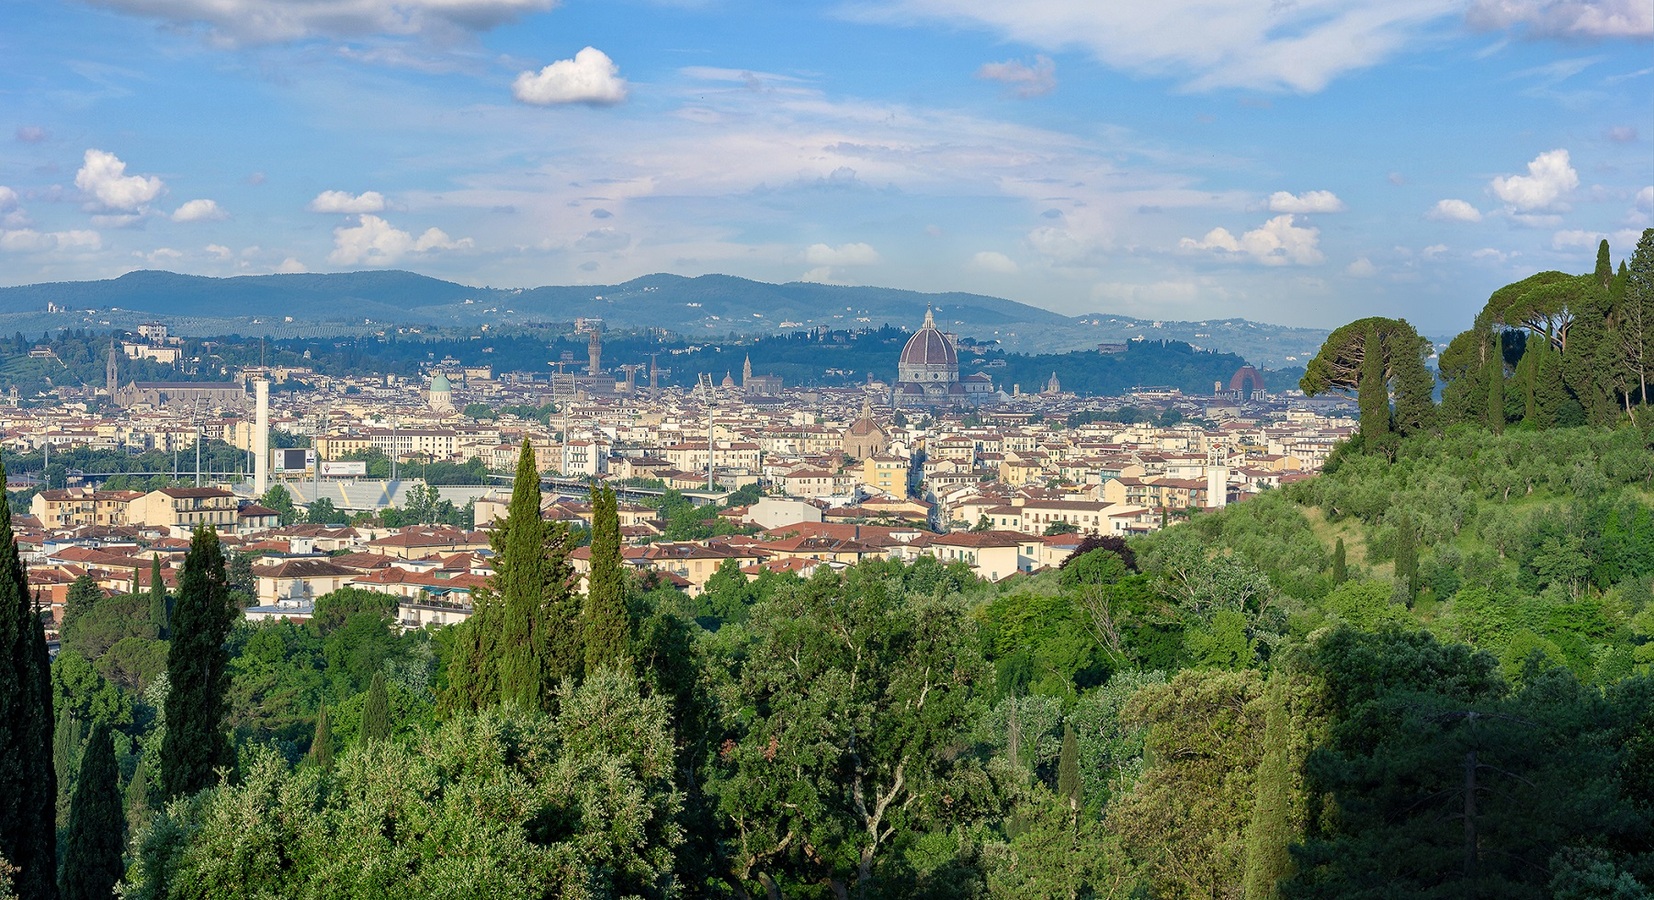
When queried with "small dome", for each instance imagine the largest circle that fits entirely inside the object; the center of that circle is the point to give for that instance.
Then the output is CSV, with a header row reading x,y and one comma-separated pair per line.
x,y
440,383
929,347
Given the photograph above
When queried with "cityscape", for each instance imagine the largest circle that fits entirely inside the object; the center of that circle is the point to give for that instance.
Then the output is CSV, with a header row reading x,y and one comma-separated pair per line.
x,y
848,450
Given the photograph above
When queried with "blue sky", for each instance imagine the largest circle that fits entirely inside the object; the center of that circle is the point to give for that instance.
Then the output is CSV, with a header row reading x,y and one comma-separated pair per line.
x,y
1301,161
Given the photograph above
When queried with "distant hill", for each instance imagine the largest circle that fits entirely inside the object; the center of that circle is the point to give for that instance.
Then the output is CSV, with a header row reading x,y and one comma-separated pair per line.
x,y
709,305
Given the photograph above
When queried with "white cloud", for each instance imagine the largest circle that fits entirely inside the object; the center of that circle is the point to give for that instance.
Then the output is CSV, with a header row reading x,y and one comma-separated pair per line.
x,y
1036,80
344,202
103,177
1566,18
1361,268
270,21
1498,256
591,77
219,251
843,255
1452,210
199,211
1622,134
291,266
1645,199
161,256
375,242
1550,177
1433,251
27,240
8,199
11,214
1206,44
32,134
1575,237
1307,202
992,262
1276,243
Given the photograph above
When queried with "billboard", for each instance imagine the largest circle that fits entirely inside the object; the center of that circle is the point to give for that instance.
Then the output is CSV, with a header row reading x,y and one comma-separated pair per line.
x,y
344,469
287,460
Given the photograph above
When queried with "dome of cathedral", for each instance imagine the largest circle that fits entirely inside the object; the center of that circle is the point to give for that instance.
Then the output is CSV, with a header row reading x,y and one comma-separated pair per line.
x,y
440,383
929,347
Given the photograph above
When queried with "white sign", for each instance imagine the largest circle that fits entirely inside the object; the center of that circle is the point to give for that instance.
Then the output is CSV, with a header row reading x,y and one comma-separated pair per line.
x,y
344,469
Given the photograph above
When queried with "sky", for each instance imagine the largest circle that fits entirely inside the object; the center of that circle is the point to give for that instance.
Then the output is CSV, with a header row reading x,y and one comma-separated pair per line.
x,y
1303,162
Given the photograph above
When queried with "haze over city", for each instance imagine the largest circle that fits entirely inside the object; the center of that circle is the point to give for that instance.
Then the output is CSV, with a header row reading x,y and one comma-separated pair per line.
x,y
1300,163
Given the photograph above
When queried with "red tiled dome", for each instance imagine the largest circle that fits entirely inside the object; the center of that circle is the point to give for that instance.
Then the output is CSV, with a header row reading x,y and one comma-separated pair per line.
x,y
928,347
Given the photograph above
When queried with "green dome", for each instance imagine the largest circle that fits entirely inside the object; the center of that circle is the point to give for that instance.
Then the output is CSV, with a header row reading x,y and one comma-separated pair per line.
x,y
440,383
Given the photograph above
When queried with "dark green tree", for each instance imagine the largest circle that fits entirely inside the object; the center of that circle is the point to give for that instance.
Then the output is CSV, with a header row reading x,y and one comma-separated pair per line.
x,y
28,783
1069,787
1407,556
159,609
607,631
198,669
83,594
1340,568
280,499
321,745
92,862
1372,392
376,711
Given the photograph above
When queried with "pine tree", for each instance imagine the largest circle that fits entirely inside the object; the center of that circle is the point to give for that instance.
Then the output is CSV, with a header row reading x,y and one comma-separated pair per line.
x,y
376,711
607,630
28,782
321,745
198,669
1373,392
92,863
158,607
1340,568
1069,787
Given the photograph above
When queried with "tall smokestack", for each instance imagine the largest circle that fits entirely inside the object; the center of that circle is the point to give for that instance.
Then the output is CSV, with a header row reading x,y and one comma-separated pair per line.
x,y
261,436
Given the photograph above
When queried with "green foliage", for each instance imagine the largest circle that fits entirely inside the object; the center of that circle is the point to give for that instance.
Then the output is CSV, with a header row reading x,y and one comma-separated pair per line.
x,y
92,861
280,499
160,609
321,744
28,783
198,671
605,627
376,712
504,803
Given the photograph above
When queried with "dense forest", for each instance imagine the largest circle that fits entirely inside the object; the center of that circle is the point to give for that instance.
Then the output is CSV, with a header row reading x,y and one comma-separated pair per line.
x,y
1428,672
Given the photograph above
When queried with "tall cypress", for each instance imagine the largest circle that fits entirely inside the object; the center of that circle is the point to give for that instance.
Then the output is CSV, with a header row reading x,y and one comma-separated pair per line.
x,y
1407,557
92,863
83,594
158,611
1495,410
1340,566
607,630
28,783
520,583
321,746
198,667
1272,829
376,711
1373,391
1068,770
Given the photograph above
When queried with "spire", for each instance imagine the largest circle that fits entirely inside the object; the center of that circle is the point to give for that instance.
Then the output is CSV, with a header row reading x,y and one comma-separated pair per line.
x,y
930,320
746,369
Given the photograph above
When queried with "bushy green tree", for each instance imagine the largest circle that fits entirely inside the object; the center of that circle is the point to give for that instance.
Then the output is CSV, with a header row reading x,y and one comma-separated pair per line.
x,y
376,711
198,671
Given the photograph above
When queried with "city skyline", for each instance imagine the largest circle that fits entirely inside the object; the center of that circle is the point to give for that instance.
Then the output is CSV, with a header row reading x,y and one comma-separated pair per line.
x,y
1302,166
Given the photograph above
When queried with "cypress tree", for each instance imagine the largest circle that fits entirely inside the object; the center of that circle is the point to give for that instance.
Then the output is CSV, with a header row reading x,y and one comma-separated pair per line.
x,y
607,630
1495,411
1271,831
1407,557
84,593
158,611
1340,568
137,797
28,781
321,746
198,668
376,711
539,620
1069,787
1373,392
92,863
67,738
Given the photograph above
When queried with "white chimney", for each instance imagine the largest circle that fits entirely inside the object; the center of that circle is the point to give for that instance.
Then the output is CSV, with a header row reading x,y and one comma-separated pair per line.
x,y
261,437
